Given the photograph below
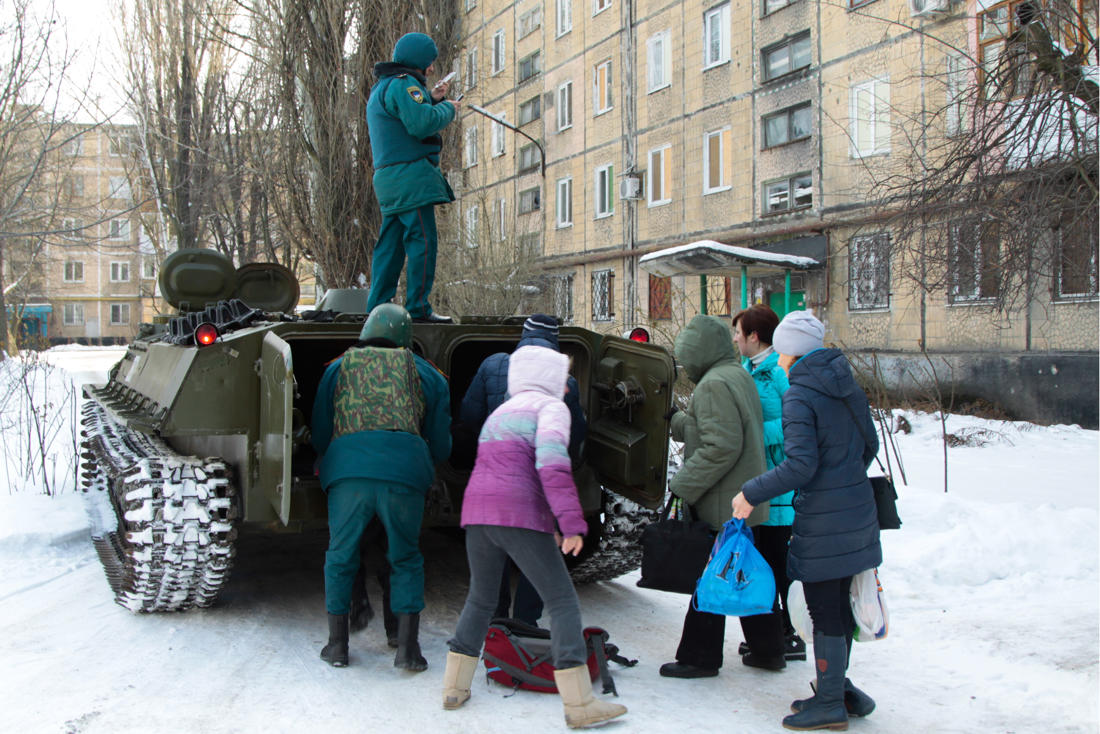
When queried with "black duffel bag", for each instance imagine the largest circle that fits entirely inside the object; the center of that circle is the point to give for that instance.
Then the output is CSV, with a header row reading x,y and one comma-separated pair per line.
x,y
675,551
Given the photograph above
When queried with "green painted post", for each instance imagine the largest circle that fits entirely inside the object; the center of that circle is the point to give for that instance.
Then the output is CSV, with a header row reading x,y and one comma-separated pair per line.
x,y
744,287
787,293
703,294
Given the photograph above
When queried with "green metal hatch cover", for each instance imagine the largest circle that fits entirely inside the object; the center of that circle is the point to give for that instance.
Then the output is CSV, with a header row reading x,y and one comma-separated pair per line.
x,y
192,279
267,286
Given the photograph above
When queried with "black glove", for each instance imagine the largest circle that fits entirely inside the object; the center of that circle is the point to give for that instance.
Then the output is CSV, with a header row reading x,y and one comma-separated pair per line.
x,y
671,412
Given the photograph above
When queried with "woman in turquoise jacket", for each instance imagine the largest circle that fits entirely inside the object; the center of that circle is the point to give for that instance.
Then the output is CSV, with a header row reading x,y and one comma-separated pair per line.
x,y
752,332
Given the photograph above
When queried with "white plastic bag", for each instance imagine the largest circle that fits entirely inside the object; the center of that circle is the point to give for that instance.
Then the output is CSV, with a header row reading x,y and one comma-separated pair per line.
x,y
869,607
799,612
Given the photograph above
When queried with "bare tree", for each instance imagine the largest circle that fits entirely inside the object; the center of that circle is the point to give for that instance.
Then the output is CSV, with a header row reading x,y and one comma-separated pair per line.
x,y
999,188
33,136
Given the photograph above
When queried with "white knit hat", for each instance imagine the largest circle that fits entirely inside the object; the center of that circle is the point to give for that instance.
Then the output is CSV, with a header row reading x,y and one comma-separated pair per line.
x,y
798,333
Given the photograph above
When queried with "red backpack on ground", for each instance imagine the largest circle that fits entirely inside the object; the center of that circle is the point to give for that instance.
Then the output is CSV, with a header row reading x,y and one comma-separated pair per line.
x,y
518,655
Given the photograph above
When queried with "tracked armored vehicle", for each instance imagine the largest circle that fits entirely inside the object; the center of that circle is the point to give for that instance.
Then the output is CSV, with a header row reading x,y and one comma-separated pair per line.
x,y
202,430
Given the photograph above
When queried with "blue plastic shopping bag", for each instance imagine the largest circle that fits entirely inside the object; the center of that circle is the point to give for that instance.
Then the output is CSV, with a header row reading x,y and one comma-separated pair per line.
x,y
737,581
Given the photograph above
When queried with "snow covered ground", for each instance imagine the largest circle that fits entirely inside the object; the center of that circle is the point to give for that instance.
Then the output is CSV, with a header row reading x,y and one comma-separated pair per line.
x,y
993,592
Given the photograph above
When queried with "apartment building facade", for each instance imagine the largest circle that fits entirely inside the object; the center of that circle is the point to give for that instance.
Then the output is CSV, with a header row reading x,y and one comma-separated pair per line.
x,y
96,274
762,126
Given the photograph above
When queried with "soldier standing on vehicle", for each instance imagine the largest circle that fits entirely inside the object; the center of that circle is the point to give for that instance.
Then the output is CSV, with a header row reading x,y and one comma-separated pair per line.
x,y
404,120
381,421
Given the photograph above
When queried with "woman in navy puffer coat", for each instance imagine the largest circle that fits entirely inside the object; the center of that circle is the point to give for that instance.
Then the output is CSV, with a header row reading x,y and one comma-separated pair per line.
x,y
835,533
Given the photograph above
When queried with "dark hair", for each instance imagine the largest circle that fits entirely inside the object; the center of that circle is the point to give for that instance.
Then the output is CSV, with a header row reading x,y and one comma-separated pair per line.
x,y
758,319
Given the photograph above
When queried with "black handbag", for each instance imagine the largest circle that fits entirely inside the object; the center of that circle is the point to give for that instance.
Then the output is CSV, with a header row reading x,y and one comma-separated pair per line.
x,y
675,551
886,496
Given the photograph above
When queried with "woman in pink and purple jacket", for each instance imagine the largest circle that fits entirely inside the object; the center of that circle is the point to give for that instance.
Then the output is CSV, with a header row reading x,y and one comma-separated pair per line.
x,y
521,503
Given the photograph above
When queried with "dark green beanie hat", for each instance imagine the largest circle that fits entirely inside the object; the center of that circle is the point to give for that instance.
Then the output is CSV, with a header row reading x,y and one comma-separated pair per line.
x,y
415,50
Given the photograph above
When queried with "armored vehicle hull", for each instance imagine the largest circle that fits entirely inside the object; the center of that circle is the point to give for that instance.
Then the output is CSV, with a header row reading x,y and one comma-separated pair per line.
x,y
189,444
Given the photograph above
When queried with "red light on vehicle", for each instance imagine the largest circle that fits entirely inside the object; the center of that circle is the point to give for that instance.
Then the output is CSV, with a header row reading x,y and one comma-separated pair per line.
x,y
206,334
639,334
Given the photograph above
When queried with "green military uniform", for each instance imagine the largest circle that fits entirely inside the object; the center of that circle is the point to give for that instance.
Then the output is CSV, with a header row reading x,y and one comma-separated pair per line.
x,y
404,123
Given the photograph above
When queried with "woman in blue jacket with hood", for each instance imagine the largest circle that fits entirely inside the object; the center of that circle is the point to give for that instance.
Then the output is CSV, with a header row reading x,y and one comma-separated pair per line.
x,y
835,533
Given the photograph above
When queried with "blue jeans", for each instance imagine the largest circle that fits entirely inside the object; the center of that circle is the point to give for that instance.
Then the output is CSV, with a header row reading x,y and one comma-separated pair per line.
x,y
351,505
488,547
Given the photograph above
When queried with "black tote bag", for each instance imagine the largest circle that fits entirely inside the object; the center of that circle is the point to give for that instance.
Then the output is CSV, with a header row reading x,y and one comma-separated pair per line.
x,y
675,552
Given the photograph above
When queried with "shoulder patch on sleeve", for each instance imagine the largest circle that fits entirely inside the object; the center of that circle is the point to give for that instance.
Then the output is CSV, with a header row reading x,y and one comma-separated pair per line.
x,y
416,93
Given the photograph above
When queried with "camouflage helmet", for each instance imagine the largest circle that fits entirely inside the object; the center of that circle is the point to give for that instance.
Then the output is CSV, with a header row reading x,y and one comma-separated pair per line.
x,y
388,321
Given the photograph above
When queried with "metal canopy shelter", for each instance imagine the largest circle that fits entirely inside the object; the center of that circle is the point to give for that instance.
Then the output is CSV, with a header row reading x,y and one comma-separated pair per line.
x,y
707,257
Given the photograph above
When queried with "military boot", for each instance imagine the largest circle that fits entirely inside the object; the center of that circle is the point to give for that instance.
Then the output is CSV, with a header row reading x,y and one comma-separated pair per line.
x,y
408,655
335,653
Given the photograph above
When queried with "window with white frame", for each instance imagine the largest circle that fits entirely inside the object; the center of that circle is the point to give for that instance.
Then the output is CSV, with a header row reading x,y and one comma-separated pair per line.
x,y
530,21
71,227
974,253
601,87
74,271
1076,241
659,176
565,106
116,146
75,146
118,229
74,185
148,268
787,56
785,194
957,89
599,6
716,36
120,272
471,146
120,187
787,126
565,17
563,205
500,209
530,200
530,110
869,113
530,65
658,61
715,146
471,226
869,272
529,158
497,64
603,295
471,68
497,135
605,199
120,314
73,314
563,297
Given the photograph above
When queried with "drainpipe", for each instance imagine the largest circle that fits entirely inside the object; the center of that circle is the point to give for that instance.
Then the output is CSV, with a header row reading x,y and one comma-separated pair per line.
x,y
630,160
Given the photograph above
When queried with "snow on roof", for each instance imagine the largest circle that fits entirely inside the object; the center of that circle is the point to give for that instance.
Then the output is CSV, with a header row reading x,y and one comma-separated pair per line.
x,y
707,255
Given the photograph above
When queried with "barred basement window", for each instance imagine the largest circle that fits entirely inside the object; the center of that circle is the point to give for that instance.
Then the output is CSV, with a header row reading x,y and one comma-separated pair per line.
x,y
603,295
869,272
974,251
563,297
660,297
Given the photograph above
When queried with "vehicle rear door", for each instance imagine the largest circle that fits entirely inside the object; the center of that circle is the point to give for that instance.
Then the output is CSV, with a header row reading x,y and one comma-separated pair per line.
x,y
627,442
274,452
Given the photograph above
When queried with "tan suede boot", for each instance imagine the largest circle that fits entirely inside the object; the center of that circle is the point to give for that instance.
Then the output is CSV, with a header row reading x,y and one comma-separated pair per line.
x,y
457,678
581,707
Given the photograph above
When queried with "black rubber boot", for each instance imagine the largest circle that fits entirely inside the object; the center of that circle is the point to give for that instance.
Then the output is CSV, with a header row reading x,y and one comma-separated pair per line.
x,y
361,610
826,709
408,655
335,653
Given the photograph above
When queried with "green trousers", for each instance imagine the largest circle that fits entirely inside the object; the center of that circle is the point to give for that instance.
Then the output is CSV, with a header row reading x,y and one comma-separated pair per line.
x,y
410,234
351,505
